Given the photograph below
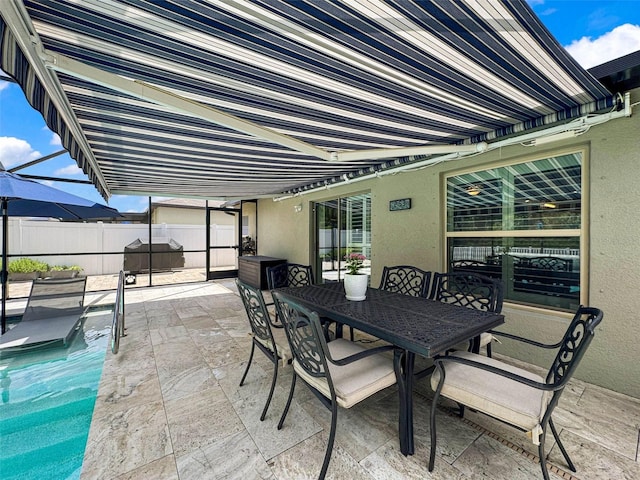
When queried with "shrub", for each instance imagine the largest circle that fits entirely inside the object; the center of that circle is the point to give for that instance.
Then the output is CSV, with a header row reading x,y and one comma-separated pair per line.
x,y
60,268
27,265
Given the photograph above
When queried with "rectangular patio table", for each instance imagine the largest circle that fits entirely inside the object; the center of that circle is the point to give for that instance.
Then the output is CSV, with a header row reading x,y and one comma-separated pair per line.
x,y
416,326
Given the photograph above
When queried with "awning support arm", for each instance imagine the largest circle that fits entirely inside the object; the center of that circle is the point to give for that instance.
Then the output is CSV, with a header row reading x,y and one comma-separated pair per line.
x,y
157,95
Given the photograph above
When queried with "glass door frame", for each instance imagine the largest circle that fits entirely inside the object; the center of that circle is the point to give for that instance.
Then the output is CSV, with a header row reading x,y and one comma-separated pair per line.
x,y
224,273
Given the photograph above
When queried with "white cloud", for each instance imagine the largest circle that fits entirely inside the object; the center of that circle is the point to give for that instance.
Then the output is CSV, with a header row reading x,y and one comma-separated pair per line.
x,y
3,85
55,140
618,42
15,151
72,169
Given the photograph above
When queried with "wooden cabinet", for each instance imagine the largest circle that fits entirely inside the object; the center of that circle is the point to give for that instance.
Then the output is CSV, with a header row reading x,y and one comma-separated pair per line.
x,y
252,269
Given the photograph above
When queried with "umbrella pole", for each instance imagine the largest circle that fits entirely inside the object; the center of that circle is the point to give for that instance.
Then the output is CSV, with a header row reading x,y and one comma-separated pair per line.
x,y
3,274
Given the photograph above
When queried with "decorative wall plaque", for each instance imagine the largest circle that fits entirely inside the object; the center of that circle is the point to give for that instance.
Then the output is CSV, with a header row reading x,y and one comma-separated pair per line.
x,y
400,204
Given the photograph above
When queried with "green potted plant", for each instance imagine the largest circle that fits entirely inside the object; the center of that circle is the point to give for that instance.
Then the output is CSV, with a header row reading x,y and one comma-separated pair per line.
x,y
355,282
63,271
23,269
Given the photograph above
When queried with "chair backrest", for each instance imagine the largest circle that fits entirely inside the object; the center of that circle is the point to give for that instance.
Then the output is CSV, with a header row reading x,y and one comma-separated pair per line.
x,y
289,275
462,264
574,344
551,263
306,338
55,298
468,289
256,311
406,280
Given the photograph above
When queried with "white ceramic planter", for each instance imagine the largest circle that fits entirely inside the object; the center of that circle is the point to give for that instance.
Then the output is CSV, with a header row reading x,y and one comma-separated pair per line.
x,y
355,286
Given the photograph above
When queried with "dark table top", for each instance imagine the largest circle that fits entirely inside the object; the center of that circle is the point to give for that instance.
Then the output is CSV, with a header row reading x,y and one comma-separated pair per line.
x,y
423,326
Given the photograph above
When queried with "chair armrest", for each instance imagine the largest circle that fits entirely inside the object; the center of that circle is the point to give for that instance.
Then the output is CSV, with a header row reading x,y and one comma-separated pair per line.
x,y
360,355
525,340
440,361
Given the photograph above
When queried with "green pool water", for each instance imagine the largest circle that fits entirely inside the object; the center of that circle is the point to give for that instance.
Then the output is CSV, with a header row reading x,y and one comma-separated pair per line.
x,y
47,398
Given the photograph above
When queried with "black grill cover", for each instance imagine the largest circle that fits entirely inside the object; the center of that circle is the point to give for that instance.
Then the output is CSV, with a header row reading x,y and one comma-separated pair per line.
x,y
167,255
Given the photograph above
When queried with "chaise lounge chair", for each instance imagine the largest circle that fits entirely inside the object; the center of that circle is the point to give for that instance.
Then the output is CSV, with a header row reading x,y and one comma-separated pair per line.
x,y
54,311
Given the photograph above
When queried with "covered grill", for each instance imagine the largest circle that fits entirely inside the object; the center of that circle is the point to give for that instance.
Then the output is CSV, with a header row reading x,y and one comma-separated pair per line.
x,y
167,254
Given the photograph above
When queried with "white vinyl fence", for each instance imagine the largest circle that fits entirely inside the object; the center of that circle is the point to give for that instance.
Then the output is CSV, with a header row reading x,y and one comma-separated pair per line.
x,y
481,253
33,238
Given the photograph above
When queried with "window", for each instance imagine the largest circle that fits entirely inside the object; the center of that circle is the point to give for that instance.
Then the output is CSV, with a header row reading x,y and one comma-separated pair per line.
x,y
341,225
245,225
522,223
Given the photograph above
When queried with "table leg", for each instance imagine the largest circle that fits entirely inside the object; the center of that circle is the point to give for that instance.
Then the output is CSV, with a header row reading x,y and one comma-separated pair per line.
x,y
403,363
475,344
339,328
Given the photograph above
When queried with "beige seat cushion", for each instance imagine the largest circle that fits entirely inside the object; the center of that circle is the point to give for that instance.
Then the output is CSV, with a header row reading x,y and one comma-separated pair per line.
x,y
500,397
356,381
282,344
485,339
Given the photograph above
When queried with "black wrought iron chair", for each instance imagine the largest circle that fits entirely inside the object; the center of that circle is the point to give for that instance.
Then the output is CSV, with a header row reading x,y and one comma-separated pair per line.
x,y
405,279
470,290
510,394
296,275
271,341
289,275
340,373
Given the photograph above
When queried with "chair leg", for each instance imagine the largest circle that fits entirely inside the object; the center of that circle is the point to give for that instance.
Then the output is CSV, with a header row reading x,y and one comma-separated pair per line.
x,y
489,349
332,437
432,427
327,332
246,370
286,407
273,386
543,460
564,452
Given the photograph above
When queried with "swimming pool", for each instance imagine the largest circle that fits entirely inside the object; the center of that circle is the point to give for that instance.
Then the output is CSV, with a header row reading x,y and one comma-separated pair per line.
x,y
46,403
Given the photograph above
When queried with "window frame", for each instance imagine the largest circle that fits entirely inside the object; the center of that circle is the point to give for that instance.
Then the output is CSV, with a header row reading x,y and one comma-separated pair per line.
x,y
582,233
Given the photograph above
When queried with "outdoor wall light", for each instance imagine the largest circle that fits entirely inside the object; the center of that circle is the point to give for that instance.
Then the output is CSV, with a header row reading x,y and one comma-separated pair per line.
x,y
297,208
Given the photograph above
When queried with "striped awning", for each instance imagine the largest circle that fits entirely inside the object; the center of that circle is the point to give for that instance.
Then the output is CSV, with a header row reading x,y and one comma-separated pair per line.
x,y
237,99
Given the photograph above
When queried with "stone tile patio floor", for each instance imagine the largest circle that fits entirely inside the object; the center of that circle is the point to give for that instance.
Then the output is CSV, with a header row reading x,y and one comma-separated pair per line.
x,y
169,407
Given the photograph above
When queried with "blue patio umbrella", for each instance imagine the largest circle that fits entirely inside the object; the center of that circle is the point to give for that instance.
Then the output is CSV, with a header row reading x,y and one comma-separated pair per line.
x,y
21,197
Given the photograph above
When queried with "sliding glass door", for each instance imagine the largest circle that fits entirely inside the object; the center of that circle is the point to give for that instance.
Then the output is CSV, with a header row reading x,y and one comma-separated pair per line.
x,y
342,225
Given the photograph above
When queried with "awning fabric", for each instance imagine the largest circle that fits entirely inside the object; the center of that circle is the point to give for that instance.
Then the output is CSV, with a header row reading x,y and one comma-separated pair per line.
x,y
337,76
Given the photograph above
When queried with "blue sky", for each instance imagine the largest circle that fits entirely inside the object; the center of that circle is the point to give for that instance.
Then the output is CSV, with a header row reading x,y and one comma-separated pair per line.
x,y
593,31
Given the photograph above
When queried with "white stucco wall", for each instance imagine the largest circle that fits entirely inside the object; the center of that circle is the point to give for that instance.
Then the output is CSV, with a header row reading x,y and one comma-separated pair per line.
x,y
415,237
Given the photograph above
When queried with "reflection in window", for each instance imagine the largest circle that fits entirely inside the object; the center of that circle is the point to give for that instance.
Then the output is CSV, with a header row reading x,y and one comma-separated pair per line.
x,y
504,222
342,225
